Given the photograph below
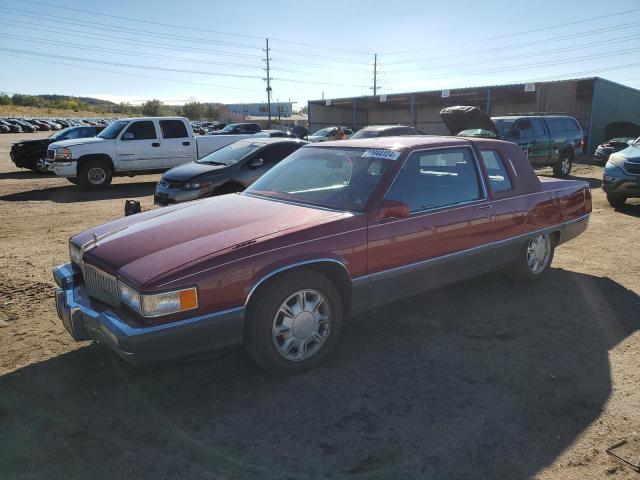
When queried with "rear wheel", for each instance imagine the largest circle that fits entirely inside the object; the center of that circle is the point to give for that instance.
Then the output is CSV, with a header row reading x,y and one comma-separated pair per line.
x,y
563,167
294,322
95,174
616,202
534,258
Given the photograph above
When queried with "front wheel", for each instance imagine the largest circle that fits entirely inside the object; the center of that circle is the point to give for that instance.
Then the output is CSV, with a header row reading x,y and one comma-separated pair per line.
x,y
616,202
534,258
294,322
563,167
94,175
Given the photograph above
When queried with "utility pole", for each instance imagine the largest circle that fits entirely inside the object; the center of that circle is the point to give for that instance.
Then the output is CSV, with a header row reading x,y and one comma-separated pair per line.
x,y
375,74
268,83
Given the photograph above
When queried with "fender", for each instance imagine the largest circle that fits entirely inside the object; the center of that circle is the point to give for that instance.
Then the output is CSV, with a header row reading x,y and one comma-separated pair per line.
x,y
292,266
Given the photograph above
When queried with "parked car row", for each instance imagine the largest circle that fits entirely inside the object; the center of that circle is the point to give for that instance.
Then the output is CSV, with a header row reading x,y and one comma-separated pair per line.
x,y
31,125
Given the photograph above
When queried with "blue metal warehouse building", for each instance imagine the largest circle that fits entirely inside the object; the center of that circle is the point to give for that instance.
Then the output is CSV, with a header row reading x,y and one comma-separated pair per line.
x,y
595,102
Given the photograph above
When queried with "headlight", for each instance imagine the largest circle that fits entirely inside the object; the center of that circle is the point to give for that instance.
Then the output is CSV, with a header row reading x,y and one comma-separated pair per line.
x,y
63,154
615,160
609,178
75,254
197,185
159,304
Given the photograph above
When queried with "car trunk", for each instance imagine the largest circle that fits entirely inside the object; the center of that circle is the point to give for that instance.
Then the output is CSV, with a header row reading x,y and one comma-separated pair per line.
x,y
461,117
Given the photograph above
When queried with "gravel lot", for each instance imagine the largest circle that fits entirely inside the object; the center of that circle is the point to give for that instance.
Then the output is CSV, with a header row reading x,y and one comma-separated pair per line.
x,y
486,379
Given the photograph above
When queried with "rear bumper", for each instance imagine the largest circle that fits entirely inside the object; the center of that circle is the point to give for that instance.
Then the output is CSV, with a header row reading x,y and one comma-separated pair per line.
x,y
87,319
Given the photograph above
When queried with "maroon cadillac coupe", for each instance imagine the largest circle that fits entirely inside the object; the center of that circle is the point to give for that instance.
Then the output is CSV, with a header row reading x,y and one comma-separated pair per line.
x,y
334,229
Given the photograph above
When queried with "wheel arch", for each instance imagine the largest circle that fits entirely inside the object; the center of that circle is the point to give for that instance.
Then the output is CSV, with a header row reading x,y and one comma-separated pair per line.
x,y
96,156
333,269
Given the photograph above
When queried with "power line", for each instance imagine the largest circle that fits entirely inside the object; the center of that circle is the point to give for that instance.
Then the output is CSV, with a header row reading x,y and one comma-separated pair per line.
x,y
125,52
527,44
129,74
526,32
112,38
129,30
187,27
520,56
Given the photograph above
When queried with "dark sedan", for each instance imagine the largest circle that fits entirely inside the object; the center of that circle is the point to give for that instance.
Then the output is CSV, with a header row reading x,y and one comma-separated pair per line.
x,y
32,153
228,170
614,145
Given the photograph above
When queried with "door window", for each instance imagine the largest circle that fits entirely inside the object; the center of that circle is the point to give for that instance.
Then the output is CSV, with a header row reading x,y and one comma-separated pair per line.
x,y
437,178
273,154
538,128
498,175
525,128
173,129
144,130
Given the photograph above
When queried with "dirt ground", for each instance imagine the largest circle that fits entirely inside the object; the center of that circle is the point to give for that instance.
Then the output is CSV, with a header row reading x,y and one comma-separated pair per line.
x,y
485,379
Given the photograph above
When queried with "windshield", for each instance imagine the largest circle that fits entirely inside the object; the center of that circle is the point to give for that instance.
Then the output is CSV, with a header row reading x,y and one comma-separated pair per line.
x,y
113,129
229,128
337,178
60,134
325,132
504,125
365,134
231,154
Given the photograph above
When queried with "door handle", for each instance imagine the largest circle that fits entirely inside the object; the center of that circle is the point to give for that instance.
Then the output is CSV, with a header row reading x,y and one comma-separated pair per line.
x,y
155,144
186,144
485,207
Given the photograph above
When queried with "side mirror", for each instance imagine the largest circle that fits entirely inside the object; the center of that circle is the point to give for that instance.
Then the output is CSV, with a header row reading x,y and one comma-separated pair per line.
x,y
392,209
127,136
256,162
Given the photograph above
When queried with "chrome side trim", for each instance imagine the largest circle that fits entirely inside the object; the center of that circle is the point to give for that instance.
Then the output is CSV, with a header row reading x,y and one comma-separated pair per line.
x,y
289,267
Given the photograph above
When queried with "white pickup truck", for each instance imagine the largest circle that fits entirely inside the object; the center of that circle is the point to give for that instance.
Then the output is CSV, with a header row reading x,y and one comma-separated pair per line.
x,y
132,146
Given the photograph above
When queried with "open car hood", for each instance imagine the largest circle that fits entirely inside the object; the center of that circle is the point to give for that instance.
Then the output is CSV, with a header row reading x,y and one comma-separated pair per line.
x,y
621,129
461,117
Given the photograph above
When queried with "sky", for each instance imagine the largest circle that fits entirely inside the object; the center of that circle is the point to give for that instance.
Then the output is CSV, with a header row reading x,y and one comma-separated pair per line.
x,y
213,51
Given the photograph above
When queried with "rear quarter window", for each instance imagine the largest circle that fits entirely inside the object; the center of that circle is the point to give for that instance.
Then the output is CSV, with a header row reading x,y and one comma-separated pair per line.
x,y
496,170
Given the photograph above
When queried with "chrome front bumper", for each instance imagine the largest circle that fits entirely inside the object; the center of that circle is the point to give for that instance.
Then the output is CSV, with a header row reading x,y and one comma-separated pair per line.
x,y
88,319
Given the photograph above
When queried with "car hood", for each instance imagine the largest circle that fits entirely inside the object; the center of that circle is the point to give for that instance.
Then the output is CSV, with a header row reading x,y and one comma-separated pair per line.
x,y
34,143
460,117
77,141
186,172
631,154
148,245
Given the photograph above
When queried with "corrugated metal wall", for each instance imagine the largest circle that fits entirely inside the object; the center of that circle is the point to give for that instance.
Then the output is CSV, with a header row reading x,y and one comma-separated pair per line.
x,y
612,102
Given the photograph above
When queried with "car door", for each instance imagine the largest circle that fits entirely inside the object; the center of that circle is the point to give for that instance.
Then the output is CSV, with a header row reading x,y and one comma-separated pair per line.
x,y
138,147
540,146
270,156
447,234
177,146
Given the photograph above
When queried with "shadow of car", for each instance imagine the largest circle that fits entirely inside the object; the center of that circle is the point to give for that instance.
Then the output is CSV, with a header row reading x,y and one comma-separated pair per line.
x,y
480,380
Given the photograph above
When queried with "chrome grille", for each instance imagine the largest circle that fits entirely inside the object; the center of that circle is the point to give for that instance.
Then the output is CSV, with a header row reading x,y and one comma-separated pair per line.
x,y
101,285
51,154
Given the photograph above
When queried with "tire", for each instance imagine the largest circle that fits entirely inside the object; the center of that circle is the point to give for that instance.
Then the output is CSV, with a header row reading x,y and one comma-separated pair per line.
x,y
562,169
616,202
281,344
524,268
95,175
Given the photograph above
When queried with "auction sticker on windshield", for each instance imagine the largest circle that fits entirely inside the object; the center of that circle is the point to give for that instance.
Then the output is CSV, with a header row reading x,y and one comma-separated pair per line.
x,y
388,154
